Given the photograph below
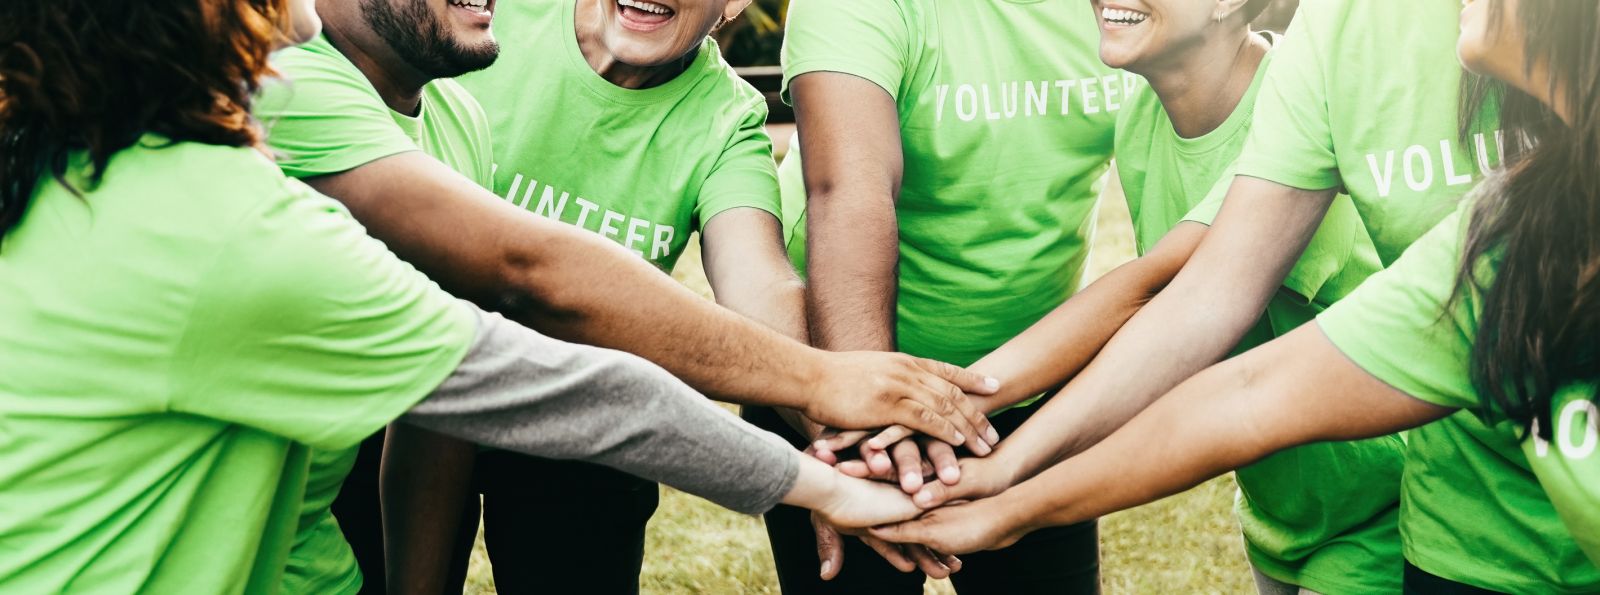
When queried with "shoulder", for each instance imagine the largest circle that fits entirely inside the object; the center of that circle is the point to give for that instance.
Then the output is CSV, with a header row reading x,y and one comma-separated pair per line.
x,y
724,82
460,103
217,184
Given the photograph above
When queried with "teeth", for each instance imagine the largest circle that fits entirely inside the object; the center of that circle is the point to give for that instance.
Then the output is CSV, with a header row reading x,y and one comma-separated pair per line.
x,y
1121,16
472,4
649,7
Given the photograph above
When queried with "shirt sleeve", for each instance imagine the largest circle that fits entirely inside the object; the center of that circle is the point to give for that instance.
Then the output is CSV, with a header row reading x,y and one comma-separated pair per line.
x,y
870,39
745,174
1334,249
1396,328
522,391
1291,139
323,116
306,327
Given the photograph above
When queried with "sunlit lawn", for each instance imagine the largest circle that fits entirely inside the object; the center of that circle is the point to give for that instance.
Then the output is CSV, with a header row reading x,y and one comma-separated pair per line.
x,y
1185,544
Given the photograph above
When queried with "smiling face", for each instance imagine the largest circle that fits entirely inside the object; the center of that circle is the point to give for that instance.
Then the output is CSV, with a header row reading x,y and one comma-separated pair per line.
x,y
1135,33
441,38
644,33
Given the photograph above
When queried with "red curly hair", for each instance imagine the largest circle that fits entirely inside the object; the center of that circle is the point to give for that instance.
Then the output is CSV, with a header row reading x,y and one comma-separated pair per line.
x,y
94,76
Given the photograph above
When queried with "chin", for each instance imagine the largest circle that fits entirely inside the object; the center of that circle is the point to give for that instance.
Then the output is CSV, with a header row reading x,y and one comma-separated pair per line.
x,y
1472,58
1116,58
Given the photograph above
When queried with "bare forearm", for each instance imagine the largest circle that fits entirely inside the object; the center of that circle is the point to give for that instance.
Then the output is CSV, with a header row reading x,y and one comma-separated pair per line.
x,y
425,481
566,282
853,252
1060,345
1194,322
1292,391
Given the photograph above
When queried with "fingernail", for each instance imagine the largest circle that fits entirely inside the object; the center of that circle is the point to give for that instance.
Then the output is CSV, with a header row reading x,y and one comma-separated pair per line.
x,y
991,383
909,478
960,438
950,474
993,435
925,498
827,567
820,445
982,449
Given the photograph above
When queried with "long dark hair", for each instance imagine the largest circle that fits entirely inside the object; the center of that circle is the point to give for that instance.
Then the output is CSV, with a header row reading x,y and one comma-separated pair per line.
x,y
1539,219
93,76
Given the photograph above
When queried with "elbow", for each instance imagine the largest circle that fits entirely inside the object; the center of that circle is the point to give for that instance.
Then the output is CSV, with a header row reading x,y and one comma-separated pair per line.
x,y
526,290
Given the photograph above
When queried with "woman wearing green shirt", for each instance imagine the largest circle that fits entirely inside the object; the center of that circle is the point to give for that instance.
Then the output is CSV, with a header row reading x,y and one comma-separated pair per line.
x,y
184,324
1320,517
1491,314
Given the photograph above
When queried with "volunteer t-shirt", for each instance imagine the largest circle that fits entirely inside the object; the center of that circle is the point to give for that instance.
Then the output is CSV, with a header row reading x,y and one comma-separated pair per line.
x,y
1321,516
325,117
1006,119
1362,96
1473,491
643,167
175,341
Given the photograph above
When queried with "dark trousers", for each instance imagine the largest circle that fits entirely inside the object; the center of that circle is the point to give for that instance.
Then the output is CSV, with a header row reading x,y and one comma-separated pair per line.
x,y
1420,582
550,526
1056,560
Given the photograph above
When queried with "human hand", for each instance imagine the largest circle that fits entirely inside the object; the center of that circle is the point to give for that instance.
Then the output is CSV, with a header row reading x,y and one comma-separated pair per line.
x,y
905,558
910,462
874,389
960,528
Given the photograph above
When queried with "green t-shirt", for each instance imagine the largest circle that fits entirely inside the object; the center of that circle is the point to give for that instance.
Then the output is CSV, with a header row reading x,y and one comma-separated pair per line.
x,y
644,167
1473,510
175,340
1006,120
325,117
1362,95
1321,516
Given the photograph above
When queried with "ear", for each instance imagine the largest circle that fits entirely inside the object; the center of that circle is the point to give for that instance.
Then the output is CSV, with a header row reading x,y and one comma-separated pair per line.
x,y
1227,9
734,8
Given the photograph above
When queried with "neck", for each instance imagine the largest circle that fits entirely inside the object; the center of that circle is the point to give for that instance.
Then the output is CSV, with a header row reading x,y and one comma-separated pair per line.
x,y
397,82
1202,86
589,26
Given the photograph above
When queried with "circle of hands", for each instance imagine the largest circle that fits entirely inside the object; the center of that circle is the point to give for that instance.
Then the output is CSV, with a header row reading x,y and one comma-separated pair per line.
x,y
925,503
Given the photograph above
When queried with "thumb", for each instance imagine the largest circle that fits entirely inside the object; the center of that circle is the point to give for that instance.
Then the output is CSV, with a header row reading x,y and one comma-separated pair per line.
x,y
912,531
829,551
966,380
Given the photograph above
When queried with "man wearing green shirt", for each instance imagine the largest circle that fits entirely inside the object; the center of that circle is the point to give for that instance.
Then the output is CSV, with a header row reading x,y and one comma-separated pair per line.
x,y
952,155
356,108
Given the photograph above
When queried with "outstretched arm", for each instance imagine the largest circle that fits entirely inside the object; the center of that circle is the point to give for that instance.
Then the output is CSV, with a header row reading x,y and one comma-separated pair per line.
x,y
577,286
1194,322
1291,391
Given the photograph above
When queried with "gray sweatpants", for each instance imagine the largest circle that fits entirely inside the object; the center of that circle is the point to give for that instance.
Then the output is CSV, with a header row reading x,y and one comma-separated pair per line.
x,y
519,390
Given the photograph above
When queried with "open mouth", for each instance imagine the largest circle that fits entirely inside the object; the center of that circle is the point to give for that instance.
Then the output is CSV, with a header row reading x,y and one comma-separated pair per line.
x,y
479,7
1122,17
642,15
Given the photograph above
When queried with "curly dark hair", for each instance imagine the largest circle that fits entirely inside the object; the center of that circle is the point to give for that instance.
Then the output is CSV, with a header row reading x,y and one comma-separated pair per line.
x,y
93,76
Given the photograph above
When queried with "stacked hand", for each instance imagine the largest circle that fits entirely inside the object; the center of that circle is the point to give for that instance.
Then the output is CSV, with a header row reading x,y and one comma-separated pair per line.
x,y
930,471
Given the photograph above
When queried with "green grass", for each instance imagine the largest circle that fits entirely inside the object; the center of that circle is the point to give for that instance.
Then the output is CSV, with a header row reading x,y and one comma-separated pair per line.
x,y
1188,543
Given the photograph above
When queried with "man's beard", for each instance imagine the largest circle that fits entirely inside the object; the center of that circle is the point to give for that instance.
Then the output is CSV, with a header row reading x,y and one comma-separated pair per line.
x,y
423,42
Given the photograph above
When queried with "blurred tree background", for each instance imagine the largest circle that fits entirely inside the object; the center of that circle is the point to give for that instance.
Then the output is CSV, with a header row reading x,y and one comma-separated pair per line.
x,y
755,37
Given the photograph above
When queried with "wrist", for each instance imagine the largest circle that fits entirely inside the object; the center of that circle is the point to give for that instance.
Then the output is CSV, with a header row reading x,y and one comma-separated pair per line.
x,y
815,487
802,380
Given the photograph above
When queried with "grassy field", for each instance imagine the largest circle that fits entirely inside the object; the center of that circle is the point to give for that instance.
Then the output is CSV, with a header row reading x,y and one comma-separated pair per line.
x,y
1187,543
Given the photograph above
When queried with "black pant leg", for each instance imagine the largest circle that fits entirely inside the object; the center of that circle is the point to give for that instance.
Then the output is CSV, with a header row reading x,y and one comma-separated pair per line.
x,y
360,515
1421,582
794,544
1055,560
1058,560
563,526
